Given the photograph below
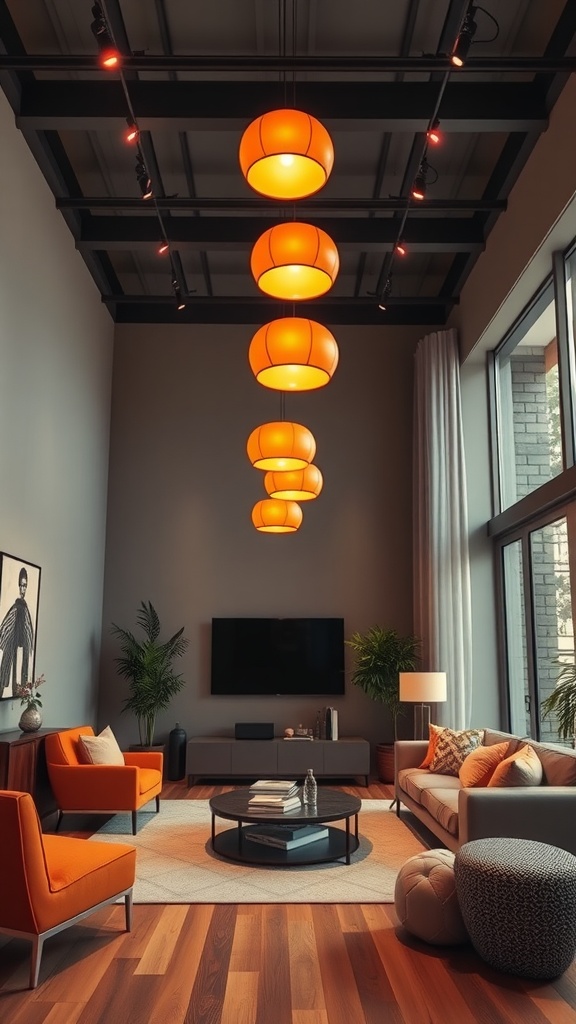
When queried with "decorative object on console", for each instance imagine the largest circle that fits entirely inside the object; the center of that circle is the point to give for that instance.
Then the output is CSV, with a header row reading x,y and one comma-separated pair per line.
x,y
422,689
30,719
381,654
19,597
177,741
148,667
288,733
254,731
310,789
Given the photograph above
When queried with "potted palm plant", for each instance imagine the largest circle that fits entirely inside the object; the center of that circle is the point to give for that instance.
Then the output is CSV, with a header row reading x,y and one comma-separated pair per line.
x,y
147,664
381,654
562,702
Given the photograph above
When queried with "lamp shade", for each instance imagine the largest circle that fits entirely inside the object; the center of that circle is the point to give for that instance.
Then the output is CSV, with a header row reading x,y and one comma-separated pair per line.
x,y
286,154
271,515
281,445
294,261
295,484
293,354
423,687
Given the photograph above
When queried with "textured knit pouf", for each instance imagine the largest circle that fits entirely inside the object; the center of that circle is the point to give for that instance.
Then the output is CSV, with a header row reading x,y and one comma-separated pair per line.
x,y
425,899
518,901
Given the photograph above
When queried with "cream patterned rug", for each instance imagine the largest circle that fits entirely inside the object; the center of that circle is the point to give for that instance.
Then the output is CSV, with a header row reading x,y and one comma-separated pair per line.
x,y
175,862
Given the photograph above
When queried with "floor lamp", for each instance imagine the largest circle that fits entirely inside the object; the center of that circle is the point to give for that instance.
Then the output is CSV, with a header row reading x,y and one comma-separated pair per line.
x,y
422,689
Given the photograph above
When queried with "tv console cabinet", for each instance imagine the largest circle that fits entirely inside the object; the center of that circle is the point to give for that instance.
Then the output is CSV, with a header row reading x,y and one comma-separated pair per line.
x,y
223,757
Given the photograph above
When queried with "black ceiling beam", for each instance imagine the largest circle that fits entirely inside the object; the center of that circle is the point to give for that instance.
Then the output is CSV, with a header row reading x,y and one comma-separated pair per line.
x,y
261,64
239,233
249,310
185,106
306,206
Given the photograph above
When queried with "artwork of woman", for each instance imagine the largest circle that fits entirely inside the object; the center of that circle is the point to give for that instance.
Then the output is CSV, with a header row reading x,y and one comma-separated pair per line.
x,y
16,642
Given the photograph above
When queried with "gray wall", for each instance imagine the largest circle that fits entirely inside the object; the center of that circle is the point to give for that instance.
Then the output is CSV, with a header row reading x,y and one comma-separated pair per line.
x,y
181,491
56,358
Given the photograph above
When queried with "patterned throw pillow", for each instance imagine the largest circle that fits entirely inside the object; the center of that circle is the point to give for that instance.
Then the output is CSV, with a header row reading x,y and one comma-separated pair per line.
x,y
433,733
452,747
523,768
477,768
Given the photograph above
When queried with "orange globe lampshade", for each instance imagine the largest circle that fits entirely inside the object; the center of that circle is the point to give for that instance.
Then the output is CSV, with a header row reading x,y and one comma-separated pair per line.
x,y
286,154
293,354
294,261
281,445
295,485
274,516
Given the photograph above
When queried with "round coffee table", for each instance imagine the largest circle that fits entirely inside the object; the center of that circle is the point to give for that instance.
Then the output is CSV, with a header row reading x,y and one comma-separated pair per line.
x,y
332,805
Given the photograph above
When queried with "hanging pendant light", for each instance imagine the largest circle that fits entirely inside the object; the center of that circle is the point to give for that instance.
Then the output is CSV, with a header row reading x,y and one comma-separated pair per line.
x,y
274,516
293,354
286,154
294,261
295,485
281,445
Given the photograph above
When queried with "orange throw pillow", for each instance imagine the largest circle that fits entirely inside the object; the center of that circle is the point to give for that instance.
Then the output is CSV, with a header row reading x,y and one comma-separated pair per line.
x,y
477,768
434,735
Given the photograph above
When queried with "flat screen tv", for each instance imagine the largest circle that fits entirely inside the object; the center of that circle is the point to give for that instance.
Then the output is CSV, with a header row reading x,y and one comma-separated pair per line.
x,y
277,657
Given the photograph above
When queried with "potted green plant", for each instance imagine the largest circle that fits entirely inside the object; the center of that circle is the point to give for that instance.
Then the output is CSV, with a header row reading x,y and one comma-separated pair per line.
x,y
381,654
562,702
147,665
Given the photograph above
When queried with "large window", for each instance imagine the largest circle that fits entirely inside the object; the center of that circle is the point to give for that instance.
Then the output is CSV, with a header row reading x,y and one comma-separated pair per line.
x,y
534,477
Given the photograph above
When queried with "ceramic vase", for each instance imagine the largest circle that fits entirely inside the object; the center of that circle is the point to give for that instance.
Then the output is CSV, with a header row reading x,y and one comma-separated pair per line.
x,y
30,720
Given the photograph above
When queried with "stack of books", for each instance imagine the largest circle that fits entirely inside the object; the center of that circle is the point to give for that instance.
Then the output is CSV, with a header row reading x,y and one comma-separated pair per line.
x,y
274,794
285,837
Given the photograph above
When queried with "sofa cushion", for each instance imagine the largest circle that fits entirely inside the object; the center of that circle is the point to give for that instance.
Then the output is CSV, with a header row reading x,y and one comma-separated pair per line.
x,y
523,768
442,804
101,749
414,782
452,747
477,768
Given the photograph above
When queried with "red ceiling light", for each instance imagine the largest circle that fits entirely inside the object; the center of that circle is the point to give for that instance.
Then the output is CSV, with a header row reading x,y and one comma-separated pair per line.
x,y
400,249
418,190
464,40
433,134
133,131
108,54
163,247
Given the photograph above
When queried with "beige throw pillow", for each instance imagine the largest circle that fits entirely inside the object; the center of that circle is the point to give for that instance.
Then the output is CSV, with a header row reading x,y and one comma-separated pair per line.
x,y
523,768
101,749
452,747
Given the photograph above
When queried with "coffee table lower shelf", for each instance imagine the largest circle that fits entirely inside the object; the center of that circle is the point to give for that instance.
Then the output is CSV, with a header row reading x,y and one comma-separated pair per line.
x,y
231,843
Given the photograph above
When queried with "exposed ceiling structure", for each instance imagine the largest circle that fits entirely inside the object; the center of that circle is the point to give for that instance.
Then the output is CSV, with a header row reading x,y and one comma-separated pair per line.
x,y
377,74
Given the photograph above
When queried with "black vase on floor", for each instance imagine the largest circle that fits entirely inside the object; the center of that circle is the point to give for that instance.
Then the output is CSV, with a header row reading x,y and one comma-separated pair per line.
x,y
177,753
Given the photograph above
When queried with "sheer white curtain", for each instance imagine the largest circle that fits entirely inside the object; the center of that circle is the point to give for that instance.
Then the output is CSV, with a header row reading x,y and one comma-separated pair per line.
x,y
442,603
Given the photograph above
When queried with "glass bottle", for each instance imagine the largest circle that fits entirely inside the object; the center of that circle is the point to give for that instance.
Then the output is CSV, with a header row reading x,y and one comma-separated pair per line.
x,y
309,789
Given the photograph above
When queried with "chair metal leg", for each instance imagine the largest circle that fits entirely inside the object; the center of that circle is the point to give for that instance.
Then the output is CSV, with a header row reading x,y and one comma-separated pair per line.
x,y
59,819
134,822
37,944
157,804
128,910
397,803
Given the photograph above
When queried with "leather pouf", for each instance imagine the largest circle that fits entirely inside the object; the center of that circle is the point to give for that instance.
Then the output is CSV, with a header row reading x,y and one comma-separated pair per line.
x,y
425,899
518,899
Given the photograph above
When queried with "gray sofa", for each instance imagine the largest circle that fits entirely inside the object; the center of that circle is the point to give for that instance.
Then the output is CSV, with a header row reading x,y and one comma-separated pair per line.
x,y
546,813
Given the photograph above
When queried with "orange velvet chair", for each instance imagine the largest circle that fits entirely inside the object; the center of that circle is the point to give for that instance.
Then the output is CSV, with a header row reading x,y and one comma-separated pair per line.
x,y
49,882
100,788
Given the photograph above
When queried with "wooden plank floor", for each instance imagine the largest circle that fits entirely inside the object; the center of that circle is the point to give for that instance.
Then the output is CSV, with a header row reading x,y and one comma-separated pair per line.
x,y
265,964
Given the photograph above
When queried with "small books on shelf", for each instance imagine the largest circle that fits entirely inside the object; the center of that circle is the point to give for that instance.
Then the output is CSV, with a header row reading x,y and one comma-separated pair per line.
x,y
284,837
273,802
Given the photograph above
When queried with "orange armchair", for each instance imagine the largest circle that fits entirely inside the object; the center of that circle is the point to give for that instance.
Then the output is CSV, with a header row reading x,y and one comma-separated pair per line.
x,y
50,882
100,788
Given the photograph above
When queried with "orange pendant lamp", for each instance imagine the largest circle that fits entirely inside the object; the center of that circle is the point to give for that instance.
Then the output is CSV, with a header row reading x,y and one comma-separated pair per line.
x,y
274,516
281,445
293,354
294,261
286,154
295,485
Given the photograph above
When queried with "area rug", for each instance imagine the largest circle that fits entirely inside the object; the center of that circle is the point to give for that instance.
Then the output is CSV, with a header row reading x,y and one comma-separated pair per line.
x,y
175,862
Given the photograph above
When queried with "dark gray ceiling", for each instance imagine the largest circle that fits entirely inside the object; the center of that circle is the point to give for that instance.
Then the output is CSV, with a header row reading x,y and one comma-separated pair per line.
x,y
195,74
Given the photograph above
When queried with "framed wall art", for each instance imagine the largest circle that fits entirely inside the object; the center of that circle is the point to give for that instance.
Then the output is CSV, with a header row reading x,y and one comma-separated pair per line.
x,y
19,599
